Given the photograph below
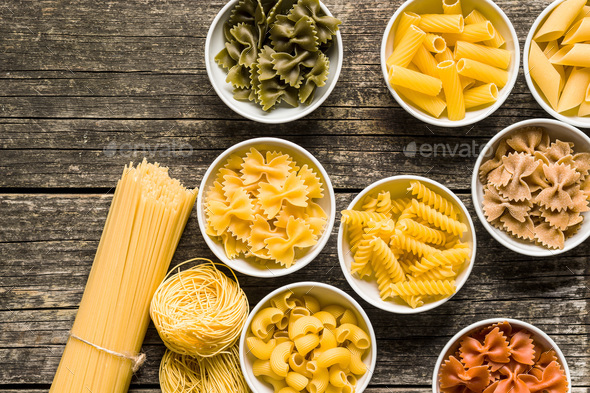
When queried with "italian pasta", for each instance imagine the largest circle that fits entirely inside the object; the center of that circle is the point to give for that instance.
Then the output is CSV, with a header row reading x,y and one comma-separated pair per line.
x,y
264,207
559,58
454,52
530,202
423,246
501,349
323,350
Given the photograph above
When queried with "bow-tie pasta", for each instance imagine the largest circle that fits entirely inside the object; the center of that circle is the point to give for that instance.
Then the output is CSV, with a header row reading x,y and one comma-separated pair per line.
x,y
536,189
500,359
275,51
262,205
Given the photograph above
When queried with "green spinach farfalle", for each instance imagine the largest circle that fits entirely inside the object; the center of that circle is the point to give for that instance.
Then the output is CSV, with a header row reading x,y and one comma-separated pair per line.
x,y
275,51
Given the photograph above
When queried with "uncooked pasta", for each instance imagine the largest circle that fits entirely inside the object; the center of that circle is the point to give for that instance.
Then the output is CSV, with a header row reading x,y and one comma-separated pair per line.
x,y
147,216
217,374
199,311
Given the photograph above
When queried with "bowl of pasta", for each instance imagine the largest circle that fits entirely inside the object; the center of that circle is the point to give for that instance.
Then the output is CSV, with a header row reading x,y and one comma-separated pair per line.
x,y
308,335
406,244
266,207
274,62
531,189
450,63
556,61
521,357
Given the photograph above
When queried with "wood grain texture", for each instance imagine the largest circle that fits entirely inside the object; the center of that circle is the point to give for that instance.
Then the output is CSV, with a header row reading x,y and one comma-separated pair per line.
x,y
87,86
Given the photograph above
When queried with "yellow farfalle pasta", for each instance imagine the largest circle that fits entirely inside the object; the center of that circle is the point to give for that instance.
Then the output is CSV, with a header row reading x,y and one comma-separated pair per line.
x,y
419,241
263,206
320,351
456,52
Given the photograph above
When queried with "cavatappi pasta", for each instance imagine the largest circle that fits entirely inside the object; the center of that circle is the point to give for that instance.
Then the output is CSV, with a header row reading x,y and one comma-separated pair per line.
x,y
412,247
264,206
301,345
448,61
559,58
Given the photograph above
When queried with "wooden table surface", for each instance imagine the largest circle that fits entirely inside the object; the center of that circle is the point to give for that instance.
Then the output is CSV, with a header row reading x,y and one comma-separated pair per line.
x,y
86,86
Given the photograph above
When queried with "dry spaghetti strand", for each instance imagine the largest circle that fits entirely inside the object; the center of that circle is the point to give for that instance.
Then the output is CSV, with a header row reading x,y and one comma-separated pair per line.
x,y
199,311
146,218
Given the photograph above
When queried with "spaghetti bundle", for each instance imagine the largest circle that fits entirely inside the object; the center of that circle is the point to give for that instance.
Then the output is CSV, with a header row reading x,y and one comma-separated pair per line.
x,y
146,219
217,374
199,311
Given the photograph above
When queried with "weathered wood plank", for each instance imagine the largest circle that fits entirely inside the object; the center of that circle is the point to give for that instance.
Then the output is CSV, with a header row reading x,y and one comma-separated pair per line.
x,y
95,153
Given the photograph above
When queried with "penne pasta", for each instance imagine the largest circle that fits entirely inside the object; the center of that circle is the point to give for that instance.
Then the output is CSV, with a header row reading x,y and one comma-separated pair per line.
x,y
452,7
559,20
437,23
434,43
476,32
453,90
574,91
579,32
587,97
481,95
429,104
545,75
425,84
550,49
491,56
584,109
406,20
406,49
577,55
425,62
482,72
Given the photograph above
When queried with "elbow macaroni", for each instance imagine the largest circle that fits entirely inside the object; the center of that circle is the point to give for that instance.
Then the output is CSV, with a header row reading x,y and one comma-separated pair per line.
x,y
319,350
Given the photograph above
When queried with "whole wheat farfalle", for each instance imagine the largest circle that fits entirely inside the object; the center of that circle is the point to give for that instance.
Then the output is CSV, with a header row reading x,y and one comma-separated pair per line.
x,y
529,140
509,178
494,162
535,188
555,197
494,205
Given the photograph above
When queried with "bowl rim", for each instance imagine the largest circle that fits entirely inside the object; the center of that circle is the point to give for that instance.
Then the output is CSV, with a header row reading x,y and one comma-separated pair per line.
x,y
317,102
490,321
313,284
417,113
527,75
476,185
328,193
383,305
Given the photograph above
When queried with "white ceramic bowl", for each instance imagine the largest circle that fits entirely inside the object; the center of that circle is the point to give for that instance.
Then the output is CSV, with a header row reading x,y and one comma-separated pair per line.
x,y
327,295
556,130
570,117
499,20
284,113
539,337
301,156
367,289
